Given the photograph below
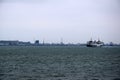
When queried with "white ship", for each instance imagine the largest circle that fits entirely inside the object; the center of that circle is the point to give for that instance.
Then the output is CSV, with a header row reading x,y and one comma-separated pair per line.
x,y
94,43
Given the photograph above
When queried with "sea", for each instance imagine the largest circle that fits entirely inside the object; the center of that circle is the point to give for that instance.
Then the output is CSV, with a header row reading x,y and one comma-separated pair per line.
x,y
59,63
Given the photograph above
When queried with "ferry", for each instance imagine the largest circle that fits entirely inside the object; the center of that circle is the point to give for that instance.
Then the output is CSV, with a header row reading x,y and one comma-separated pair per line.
x,y
95,43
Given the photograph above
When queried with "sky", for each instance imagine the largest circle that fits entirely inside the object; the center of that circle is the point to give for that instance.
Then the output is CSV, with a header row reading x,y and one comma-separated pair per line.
x,y
73,21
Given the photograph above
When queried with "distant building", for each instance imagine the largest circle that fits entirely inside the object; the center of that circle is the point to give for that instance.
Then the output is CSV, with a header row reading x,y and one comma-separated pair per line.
x,y
8,43
14,43
111,43
37,42
24,43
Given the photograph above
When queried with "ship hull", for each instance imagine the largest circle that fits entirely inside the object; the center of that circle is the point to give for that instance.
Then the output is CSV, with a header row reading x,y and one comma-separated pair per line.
x,y
94,45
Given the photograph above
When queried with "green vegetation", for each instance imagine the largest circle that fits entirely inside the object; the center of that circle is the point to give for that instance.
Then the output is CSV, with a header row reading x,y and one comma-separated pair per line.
x,y
59,63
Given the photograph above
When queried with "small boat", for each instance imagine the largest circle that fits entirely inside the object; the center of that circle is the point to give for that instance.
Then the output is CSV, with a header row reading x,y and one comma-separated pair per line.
x,y
94,43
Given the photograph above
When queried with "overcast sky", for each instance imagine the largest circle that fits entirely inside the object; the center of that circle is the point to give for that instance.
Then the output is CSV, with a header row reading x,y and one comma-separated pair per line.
x,y
76,21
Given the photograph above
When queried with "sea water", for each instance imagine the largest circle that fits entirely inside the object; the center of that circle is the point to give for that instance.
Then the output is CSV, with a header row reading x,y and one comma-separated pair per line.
x,y
59,63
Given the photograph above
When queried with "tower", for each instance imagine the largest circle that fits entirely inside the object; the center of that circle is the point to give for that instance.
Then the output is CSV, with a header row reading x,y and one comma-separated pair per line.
x,y
61,41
